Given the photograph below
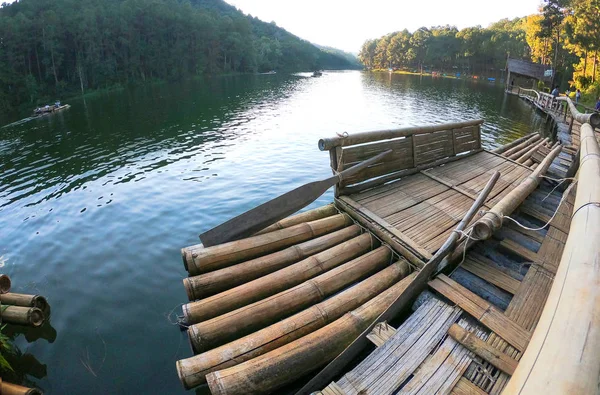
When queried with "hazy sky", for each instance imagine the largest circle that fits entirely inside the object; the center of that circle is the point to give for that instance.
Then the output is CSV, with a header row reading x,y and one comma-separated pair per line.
x,y
347,24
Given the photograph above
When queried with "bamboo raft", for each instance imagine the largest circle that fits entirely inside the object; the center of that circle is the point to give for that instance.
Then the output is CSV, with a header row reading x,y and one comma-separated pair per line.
x,y
399,286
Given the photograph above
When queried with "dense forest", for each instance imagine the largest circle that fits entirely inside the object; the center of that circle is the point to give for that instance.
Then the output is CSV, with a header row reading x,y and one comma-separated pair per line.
x,y
564,34
51,48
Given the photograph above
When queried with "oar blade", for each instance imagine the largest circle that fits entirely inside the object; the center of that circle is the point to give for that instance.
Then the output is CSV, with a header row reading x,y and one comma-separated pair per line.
x,y
250,222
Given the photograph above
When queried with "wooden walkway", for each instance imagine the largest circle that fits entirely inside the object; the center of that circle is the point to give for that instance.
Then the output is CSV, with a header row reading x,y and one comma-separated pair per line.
x,y
467,334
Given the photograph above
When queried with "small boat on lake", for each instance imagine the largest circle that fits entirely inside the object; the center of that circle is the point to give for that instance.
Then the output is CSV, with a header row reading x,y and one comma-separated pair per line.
x,y
402,285
41,111
317,73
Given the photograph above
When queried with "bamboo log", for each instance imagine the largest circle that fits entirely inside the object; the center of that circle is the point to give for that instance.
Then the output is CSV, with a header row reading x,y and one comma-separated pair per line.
x,y
514,143
562,356
359,138
14,389
522,151
593,119
211,283
523,158
15,299
492,220
519,147
278,281
285,364
528,162
192,371
19,315
4,284
335,367
198,259
240,322
307,216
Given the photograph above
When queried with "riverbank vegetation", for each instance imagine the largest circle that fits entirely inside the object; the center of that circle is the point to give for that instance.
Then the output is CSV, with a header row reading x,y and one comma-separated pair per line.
x,y
564,34
55,48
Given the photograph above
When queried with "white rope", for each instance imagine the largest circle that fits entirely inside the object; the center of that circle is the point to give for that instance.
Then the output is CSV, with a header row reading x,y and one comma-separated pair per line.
x,y
564,197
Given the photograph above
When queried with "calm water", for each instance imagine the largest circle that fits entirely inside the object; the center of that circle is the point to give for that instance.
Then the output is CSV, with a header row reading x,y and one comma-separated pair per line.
x,y
96,202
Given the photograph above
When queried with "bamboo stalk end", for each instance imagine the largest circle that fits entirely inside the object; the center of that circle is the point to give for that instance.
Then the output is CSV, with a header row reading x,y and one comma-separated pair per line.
x,y
189,289
36,317
5,283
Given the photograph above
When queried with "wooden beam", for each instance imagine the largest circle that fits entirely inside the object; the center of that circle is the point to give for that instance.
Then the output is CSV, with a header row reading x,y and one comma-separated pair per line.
x,y
465,387
483,311
483,350
492,275
518,249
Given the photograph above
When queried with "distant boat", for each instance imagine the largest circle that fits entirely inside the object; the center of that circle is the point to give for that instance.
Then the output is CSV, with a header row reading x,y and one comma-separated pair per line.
x,y
40,111
490,79
317,73
269,72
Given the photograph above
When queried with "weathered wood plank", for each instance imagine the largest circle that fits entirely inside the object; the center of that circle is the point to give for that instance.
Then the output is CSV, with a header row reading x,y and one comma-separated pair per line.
x,y
491,275
518,249
482,349
381,333
465,387
483,311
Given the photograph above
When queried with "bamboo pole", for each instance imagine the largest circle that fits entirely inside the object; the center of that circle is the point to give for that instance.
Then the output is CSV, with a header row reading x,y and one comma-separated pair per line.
x,y
492,220
528,162
14,389
307,216
514,143
192,371
412,290
365,137
523,158
240,322
562,356
593,119
278,281
31,316
522,145
4,284
522,151
15,299
211,283
198,259
285,364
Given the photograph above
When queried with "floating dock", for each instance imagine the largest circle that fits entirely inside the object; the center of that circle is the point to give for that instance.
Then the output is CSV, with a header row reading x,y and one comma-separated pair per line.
x,y
399,286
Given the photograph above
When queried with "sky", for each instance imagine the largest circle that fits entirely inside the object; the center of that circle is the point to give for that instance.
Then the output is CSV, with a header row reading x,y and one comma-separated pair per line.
x,y
346,24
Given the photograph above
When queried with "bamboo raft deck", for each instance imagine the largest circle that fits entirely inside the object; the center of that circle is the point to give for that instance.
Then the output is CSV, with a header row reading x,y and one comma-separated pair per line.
x,y
267,312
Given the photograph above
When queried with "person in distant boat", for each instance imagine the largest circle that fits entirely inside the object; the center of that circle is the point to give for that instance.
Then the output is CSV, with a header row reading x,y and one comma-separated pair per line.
x,y
598,105
577,96
47,108
57,104
567,92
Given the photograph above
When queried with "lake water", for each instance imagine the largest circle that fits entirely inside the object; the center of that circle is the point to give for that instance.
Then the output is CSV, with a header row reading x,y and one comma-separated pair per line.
x,y
96,201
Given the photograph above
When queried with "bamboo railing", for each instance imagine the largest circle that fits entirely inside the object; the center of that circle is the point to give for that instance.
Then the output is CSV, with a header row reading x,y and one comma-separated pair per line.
x,y
562,356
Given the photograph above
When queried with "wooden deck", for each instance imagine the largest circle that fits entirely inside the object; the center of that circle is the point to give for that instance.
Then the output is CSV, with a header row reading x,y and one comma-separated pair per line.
x,y
270,308
495,297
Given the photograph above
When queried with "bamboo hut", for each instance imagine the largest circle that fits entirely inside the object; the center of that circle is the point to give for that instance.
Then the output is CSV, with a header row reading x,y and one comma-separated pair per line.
x,y
428,274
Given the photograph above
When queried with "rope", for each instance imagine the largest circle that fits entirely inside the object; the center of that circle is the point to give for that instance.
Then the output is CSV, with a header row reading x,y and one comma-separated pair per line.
x,y
564,197
179,319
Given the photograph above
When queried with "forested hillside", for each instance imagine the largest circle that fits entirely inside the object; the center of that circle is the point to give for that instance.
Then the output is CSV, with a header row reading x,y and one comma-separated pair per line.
x,y
446,48
49,48
564,34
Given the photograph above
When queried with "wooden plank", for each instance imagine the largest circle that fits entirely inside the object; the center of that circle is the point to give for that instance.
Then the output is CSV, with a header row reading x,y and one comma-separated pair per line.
x,y
466,387
483,311
482,349
491,275
441,372
518,249
386,368
381,333
389,228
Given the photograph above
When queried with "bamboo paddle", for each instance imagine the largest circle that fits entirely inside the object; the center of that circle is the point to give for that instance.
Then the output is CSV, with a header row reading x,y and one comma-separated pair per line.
x,y
260,217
